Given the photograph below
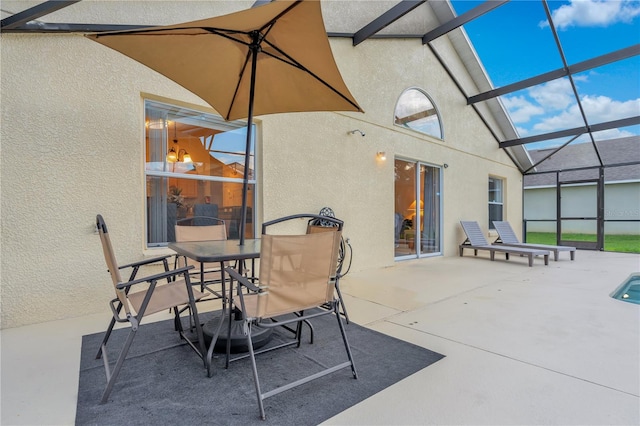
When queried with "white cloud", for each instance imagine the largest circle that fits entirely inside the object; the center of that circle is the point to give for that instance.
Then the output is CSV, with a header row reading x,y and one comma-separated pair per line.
x,y
598,109
552,106
565,120
520,109
611,134
556,94
594,13
602,108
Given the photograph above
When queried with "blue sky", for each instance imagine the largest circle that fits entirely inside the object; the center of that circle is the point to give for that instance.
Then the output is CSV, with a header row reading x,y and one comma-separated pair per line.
x,y
515,42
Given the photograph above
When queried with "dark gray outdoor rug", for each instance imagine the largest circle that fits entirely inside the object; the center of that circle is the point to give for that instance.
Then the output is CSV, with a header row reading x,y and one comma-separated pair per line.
x,y
163,384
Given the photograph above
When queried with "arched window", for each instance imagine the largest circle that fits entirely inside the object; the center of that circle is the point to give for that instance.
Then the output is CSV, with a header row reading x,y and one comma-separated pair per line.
x,y
416,111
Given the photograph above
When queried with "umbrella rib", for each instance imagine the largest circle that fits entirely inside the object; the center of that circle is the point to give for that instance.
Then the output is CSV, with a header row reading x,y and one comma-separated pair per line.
x,y
257,39
291,61
280,15
235,92
222,32
145,31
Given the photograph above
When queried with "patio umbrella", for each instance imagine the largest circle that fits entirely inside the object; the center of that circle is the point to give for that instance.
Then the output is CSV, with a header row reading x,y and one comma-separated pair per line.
x,y
269,59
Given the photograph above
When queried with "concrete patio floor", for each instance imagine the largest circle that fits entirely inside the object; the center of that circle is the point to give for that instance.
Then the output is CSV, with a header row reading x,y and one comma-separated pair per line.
x,y
544,345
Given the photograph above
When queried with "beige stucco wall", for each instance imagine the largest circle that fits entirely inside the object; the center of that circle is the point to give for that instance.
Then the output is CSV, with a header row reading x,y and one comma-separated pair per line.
x,y
72,146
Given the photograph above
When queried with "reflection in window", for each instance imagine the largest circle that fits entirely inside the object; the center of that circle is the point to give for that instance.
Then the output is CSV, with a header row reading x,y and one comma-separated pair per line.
x,y
416,111
194,166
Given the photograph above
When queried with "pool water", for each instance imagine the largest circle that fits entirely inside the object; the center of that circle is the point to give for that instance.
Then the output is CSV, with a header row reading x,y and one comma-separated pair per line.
x,y
629,291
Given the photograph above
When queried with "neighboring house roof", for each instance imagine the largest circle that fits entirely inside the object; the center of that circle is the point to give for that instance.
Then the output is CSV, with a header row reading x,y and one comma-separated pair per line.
x,y
583,155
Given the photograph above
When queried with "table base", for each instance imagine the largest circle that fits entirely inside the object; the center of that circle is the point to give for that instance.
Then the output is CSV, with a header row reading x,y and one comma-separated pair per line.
x,y
259,336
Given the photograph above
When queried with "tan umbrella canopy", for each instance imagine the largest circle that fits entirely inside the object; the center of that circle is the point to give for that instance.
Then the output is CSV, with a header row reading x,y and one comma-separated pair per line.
x,y
270,59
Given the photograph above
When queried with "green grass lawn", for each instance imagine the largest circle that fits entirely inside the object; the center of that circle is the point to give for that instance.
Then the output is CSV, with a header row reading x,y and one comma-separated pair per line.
x,y
619,243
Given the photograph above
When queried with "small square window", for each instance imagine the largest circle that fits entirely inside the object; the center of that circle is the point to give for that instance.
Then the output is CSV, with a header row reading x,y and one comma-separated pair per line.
x,y
495,200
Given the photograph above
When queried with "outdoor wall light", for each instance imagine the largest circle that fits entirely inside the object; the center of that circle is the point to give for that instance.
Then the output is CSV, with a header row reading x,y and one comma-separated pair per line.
x,y
353,132
381,155
445,165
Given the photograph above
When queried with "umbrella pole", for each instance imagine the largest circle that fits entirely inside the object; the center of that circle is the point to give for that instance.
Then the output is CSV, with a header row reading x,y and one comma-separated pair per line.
x,y
247,155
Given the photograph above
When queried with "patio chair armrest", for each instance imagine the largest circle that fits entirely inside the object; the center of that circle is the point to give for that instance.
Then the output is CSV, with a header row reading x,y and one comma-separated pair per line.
x,y
244,281
145,262
155,277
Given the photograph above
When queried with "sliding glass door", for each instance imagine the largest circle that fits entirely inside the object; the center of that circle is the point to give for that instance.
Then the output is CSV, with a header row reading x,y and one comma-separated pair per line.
x,y
418,207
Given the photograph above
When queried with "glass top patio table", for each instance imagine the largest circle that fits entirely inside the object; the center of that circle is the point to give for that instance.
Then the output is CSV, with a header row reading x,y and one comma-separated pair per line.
x,y
218,251
221,251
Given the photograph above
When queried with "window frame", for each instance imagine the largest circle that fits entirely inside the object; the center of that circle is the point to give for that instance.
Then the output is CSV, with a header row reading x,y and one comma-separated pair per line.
x,y
492,201
213,121
418,194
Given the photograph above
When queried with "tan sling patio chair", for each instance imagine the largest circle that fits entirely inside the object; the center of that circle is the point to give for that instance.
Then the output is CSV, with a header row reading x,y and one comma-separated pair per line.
x,y
155,298
507,237
202,228
344,252
476,241
297,275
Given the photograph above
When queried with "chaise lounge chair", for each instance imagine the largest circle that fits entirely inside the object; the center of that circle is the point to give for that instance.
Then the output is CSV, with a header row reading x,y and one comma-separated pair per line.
x,y
476,241
508,238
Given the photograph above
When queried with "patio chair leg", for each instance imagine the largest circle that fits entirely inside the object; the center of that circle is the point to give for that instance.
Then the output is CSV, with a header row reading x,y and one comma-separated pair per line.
x,y
108,332
254,368
106,337
177,316
214,339
346,343
177,325
311,332
193,318
298,334
344,308
111,378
